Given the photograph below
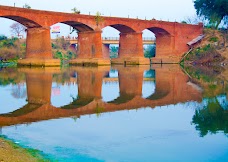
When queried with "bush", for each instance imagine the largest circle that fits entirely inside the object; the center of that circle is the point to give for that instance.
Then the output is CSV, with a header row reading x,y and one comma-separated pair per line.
x,y
58,55
213,39
3,37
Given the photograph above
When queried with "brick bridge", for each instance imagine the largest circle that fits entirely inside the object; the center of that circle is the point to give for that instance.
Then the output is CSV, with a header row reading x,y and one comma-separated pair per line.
x,y
171,88
171,37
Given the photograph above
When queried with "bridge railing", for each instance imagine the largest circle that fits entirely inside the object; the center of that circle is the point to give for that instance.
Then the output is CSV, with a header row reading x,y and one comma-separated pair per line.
x,y
109,38
149,39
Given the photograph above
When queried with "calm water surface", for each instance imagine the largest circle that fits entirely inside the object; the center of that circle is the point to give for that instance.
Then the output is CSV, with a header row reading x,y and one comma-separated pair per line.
x,y
116,114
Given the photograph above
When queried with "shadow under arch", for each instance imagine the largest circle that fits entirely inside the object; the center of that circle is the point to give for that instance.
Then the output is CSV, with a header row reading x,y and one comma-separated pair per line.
x,y
123,98
24,21
121,28
158,31
80,27
77,103
26,109
162,90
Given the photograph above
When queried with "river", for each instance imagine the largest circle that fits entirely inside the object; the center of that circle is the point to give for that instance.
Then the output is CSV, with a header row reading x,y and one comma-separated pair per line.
x,y
129,114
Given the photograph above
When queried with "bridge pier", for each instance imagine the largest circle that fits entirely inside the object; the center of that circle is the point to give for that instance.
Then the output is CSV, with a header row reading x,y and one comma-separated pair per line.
x,y
90,49
38,49
128,78
165,49
131,50
39,86
106,51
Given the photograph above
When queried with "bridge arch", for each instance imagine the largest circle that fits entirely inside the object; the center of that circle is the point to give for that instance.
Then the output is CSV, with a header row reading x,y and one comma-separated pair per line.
x,y
122,28
159,31
27,22
164,42
110,45
130,42
80,27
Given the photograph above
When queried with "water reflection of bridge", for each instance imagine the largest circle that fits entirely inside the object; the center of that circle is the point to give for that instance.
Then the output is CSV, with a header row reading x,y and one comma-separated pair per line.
x,y
171,88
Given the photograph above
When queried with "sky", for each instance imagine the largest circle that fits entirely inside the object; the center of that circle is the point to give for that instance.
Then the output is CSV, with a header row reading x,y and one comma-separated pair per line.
x,y
167,10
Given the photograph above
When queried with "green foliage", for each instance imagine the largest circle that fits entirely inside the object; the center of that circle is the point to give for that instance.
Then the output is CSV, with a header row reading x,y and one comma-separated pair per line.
x,y
61,49
114,51
98,18
199,75
213,39
27,6
213,10
99,110
212,118
150,51
70,55
150,74
206,48
58,55
8,43
3,37
6,81
199,52
11,49
75,10
54,46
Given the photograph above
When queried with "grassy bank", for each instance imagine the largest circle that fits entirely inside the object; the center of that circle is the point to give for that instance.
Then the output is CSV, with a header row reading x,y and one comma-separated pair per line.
x,y
213,50
11,152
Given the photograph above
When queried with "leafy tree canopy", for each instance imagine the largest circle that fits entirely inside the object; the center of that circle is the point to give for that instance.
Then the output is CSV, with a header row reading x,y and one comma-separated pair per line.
x,y
213,10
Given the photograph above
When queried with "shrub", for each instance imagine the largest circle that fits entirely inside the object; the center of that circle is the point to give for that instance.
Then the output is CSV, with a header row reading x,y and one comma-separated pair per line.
x,y
213,39
3,37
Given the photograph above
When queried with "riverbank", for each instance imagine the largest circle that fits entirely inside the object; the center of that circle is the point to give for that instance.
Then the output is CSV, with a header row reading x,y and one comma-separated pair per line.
x,y
11,152
212,50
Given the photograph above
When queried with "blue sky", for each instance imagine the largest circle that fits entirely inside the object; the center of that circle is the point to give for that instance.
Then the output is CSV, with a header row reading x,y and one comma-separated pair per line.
x,y
166,10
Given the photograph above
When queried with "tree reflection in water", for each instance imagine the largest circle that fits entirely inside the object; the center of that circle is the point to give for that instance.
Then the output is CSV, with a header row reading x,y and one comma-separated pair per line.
x,y
213,117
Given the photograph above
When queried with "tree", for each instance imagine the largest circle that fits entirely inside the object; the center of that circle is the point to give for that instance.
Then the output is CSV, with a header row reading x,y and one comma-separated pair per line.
x,y
211,119
3,37
195,20
27,6
114,51
75,10
215,11
17,29
150,51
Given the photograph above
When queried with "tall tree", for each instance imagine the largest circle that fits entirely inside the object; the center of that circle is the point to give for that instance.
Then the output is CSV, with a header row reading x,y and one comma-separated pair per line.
x,y
213,10
17,29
